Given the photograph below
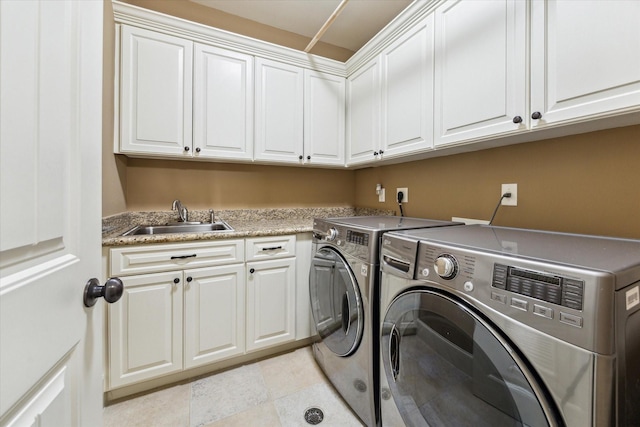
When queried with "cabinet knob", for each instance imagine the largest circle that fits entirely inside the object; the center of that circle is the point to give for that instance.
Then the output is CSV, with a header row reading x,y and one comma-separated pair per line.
x,y
176,280
253,270
308,157
517,119
536,115
189,279
111,291
375,153
300,157
381,152
197,149
186,148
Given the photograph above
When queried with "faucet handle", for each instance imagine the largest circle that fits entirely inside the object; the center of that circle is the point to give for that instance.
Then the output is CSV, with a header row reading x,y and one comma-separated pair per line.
x,y
211,216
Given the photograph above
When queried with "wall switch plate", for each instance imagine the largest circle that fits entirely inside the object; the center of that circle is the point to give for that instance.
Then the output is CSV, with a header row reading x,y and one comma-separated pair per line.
x,y
381,195
405,194
513,189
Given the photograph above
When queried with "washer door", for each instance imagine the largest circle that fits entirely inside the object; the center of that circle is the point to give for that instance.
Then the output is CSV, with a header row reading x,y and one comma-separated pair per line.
x,y
336,303
446,366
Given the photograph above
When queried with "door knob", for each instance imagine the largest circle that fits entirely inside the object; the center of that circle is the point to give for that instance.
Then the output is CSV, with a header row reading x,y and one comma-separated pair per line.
x,y
111,291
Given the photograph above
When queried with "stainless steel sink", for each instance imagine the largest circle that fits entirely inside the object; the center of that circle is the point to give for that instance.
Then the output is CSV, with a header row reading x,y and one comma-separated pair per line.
x,y
208,227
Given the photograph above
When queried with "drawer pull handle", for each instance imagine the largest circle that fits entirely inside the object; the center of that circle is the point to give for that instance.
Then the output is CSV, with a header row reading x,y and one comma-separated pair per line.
x,y
184,256
273,248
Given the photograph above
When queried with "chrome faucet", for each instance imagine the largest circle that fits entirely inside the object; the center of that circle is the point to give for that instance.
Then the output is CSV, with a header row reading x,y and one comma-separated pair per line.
x,y
182,210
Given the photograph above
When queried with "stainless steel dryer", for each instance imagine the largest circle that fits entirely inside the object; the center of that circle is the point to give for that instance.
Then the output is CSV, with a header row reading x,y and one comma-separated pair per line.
x,y
490,326
344,282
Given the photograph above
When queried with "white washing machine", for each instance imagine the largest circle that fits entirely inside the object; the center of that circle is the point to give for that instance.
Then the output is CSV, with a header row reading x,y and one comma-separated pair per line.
x,y
344,291
489,326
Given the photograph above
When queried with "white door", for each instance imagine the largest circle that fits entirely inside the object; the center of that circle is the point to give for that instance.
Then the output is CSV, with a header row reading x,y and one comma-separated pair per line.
x,y
323,118
407,91
222,104
50,199
279,112
271,303
145,329
155,93
585,59
363,114
480,69
214,314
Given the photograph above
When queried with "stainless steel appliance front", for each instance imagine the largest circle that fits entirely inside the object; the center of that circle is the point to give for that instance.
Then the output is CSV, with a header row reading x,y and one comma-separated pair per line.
x,y
528,327
344,290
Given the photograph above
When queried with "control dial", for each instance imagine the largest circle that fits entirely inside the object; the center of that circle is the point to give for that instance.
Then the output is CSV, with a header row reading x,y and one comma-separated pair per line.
x,y
331,235
446,266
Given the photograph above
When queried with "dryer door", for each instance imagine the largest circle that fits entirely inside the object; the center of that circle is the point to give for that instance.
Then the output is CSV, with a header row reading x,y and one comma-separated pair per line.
x,y
336,303
443,365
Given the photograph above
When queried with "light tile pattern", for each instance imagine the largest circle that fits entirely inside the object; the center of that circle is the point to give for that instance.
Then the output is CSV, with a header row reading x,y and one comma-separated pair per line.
x,y
274,393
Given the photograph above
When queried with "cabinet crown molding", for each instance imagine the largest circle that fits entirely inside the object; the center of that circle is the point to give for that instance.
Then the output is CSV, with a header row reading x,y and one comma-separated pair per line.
x,y
136,16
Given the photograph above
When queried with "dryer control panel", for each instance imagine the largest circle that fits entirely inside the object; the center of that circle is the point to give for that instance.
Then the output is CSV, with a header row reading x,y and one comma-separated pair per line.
x,y
564,291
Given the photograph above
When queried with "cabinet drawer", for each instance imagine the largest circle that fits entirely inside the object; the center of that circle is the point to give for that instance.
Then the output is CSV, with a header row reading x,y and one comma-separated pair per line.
x,y
260,248
156,258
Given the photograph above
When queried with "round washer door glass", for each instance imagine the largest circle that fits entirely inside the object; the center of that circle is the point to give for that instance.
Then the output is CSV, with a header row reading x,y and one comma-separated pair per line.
x,y
336,303
445,366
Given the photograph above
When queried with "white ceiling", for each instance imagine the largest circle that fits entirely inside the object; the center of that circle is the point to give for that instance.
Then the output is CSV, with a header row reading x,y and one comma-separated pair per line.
x,y
358,22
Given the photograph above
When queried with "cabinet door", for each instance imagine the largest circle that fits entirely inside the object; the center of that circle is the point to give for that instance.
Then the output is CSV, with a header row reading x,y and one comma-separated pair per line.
x,y
271,303
279,112
480,72
324,98
363,114
214,314
585,59
223,104
155,93
407,91
145,329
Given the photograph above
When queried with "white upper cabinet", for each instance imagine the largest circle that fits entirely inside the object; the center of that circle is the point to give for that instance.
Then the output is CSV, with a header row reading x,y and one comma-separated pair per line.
x,y
585,59
223,104
363,113
155,96
324,117
480,72
407,92
279,112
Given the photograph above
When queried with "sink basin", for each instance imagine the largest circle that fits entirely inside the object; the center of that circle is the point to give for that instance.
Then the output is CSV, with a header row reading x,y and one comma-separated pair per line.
x,y
217,226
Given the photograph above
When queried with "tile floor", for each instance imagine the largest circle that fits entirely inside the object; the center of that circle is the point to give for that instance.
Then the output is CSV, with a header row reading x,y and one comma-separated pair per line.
x,y
270,393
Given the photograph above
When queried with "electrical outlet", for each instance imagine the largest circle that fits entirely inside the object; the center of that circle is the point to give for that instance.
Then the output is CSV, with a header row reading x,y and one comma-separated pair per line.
x,y
513,189
381,195
405,194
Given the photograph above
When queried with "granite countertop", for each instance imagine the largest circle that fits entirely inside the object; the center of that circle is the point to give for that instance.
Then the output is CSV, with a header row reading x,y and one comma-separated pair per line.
x,y
245,223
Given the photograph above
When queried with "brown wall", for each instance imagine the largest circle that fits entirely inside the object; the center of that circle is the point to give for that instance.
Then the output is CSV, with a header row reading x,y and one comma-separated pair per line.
x,y
154,184
588,183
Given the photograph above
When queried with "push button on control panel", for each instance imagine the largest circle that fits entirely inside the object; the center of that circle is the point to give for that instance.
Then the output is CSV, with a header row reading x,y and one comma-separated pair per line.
x,y
543,311
571,319
501,298
519,304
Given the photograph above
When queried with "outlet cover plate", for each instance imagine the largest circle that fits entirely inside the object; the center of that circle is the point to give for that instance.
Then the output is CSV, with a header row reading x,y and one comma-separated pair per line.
x,y
513,189
405,194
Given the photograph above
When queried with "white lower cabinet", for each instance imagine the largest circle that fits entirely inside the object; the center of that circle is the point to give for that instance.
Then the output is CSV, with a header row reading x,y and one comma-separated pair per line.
x,y
214,314
271,291
145,328
270,303
208,307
